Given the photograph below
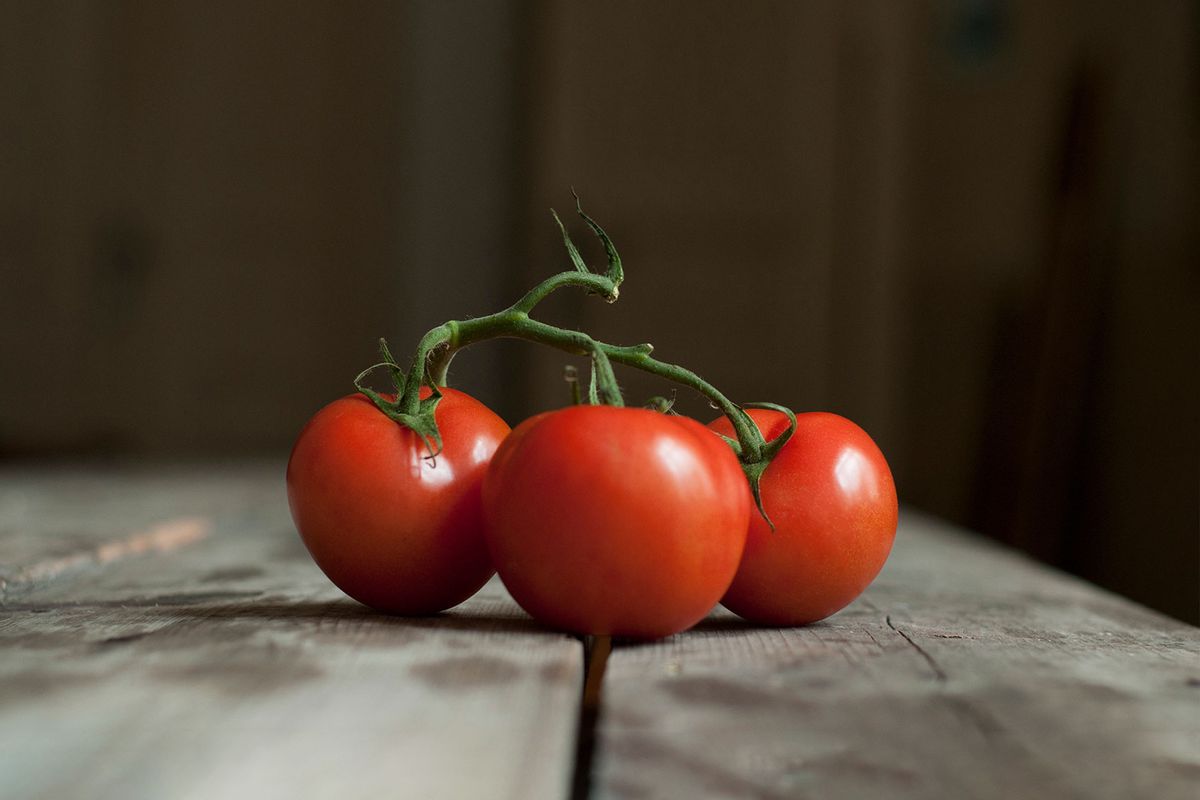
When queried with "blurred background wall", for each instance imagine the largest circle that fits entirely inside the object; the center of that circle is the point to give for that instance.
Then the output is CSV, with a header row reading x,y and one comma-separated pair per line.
x,y
969,225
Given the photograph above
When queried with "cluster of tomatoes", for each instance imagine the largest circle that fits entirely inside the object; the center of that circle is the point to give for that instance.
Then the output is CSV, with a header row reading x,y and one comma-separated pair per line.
x,y
599,519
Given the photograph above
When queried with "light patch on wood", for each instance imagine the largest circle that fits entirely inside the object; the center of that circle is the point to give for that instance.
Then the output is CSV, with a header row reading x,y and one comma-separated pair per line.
x,y
161,538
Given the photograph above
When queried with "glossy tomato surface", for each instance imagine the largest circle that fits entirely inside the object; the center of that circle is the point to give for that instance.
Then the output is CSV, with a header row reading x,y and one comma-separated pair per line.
x,y
391,528
831,496
617,521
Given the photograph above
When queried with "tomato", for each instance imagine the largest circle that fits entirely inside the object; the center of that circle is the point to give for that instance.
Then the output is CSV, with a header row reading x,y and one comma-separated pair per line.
x,y
830,493
620,521
393,529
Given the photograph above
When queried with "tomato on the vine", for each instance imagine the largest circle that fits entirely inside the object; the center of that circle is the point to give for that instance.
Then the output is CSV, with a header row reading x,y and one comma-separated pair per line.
x,y
832,499
392,527
621,521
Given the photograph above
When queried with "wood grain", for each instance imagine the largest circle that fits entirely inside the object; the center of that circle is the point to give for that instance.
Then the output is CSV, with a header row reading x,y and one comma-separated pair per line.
x,y
965,671
141,659
231,668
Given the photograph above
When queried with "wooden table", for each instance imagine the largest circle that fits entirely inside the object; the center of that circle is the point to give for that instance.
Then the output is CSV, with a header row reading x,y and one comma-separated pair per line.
x,y
164,635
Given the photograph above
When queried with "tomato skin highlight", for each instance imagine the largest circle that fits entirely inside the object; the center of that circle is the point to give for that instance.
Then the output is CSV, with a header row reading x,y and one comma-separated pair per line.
x,y
392,529
618,521
832,498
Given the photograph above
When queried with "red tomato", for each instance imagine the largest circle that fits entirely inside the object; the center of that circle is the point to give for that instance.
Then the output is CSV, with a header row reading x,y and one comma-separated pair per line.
x,y
391,528
833,501
617,521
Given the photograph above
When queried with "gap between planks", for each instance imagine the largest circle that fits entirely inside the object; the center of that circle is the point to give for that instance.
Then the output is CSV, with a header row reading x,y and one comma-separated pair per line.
x,y
596,650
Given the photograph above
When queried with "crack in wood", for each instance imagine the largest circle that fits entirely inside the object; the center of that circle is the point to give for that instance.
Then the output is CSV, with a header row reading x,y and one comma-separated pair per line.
x,y
978,718
871,636
123,639
938,673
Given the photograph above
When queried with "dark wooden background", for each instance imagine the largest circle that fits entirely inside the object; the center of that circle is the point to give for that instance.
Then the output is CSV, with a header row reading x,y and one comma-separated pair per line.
x,y
968,226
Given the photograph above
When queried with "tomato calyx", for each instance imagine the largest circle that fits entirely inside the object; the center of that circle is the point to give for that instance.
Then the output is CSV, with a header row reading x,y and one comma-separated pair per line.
x,y
422,422
755,467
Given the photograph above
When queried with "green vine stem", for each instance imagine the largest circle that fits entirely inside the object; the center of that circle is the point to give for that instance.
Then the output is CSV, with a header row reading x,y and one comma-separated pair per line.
x,y
446,340
437,348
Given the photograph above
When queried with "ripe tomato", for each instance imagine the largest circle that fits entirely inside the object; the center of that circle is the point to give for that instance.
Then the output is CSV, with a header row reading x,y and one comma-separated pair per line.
x,y
833,501
391,528
618,521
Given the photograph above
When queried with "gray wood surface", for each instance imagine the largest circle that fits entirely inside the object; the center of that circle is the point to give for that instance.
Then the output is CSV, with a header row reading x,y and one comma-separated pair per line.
x,y
164,635
217,662
965,671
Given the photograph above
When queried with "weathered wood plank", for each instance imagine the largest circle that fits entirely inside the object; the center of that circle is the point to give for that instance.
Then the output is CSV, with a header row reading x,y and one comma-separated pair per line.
x,y
232,668
965,671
